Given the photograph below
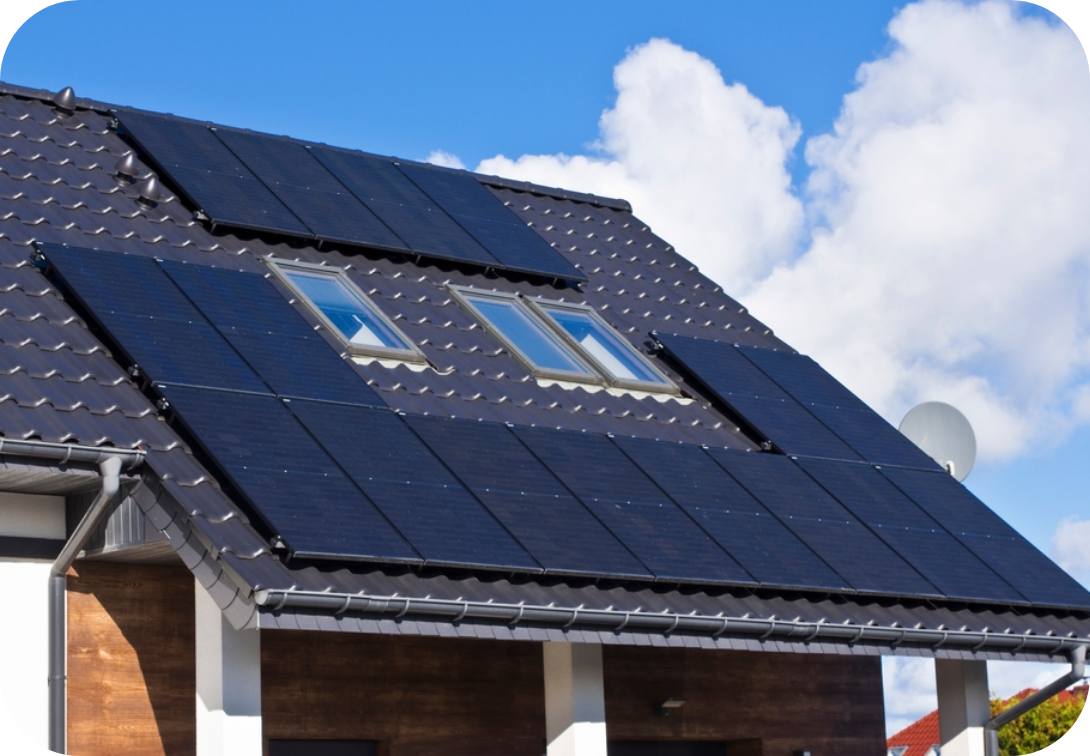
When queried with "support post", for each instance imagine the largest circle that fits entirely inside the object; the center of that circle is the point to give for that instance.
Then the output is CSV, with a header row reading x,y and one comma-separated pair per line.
x,y
575,709
964,706
228,684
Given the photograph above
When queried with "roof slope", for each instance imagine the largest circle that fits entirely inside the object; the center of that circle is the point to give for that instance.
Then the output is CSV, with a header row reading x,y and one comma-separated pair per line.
x,y
58,185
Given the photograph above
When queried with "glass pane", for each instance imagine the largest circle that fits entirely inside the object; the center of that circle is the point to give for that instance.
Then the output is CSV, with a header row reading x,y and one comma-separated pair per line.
x,y
352,316
604,345
537,345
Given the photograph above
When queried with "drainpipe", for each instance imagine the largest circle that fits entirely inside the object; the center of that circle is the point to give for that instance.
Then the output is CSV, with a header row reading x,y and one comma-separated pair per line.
x,y
109,461
991,729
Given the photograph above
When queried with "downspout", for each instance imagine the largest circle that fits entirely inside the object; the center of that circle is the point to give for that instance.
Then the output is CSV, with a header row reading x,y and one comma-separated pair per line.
x,y
991,729
109,462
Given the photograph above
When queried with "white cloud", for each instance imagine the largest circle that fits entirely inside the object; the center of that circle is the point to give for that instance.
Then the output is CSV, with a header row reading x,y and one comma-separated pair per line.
x,y
943,250
701,160
445,159
1071,547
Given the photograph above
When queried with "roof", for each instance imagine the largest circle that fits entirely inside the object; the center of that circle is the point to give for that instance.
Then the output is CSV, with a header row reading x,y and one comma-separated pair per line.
x,y
67,376
922,734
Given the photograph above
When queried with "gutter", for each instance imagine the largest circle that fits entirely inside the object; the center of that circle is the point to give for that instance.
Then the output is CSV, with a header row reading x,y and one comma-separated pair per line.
x,y
110,462
753,628
1027,704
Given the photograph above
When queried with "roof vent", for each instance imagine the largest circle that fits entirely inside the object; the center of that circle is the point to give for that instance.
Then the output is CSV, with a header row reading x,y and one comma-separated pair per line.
x,y
150,192
128,167
65,99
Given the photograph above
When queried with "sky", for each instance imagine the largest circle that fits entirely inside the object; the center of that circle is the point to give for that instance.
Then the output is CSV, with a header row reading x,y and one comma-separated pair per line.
x,y
897,189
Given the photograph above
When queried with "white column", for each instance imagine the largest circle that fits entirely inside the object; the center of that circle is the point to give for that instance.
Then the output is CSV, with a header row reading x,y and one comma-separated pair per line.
x,y
228,684
964,707
575,704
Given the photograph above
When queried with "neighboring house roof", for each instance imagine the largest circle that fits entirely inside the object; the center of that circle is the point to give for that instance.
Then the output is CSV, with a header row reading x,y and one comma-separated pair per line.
x,y
921,738
61,382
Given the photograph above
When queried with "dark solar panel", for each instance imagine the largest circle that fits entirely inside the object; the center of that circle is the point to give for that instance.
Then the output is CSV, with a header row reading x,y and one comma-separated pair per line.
x,y
743,387
653,528
557,530
738,522
909,531
309,190
985,534
287,477
410,213
271,335
153,323
497,228
823,524
438,516
209,174
839,409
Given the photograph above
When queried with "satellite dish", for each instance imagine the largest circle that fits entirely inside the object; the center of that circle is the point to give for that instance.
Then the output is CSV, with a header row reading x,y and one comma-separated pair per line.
x,y
944,434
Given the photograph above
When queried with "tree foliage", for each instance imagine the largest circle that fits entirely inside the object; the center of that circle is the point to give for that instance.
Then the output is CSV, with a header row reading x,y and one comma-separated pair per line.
x,y
1038,727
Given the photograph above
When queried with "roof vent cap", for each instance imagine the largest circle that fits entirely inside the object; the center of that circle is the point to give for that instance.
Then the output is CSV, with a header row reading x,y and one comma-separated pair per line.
x,y
150,191
65,99
128,167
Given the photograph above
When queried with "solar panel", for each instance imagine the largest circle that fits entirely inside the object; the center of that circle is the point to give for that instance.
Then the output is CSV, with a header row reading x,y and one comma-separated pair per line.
x,y
633,508
271,335
154,324
985,534
558,531
743,387
823,524
438,516
206,172
739,523
286,476
839,409
410,213
909,531
311,192
498,229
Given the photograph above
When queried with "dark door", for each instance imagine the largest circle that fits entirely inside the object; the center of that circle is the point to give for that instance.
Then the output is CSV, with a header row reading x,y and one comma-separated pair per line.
x,y
666,748
323,748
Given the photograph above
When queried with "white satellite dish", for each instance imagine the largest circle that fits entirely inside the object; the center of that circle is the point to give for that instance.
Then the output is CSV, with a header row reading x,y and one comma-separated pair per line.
x,y
944,434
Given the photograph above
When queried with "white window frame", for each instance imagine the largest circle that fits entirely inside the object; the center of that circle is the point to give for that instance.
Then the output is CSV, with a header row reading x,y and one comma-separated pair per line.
x,y
465,295
541,306
281,268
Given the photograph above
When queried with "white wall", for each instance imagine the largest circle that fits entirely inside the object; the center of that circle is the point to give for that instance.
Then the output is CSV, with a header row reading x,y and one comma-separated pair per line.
x,y
31,515
24,666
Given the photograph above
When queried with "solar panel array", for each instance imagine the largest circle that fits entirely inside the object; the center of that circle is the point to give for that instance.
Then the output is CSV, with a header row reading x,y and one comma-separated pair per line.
x,y
258,181
333,473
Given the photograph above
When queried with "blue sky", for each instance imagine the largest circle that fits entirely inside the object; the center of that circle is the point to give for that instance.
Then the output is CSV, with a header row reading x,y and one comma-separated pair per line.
x,y
516,79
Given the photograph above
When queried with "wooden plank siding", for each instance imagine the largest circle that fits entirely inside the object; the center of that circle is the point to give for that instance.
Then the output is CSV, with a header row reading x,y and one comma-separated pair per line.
x,y
131,685
131,674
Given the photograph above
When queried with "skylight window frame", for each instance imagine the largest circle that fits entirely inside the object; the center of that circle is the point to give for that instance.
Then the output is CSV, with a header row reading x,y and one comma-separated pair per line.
x,y
411,354
541,306
465,296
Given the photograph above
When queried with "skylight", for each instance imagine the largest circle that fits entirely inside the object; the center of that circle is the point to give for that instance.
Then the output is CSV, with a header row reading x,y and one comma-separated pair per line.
x,y
346,310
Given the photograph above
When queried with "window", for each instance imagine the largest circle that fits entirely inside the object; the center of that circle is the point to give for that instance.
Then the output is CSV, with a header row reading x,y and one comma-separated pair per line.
x,y
565,341
346,310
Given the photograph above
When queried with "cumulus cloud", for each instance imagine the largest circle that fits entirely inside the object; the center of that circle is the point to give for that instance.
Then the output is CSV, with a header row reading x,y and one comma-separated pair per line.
x,y
940,250
445,159
1071,547
702,161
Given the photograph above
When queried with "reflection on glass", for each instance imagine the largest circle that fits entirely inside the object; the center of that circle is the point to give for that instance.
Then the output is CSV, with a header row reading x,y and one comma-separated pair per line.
x,y
603,345
352,316
535,344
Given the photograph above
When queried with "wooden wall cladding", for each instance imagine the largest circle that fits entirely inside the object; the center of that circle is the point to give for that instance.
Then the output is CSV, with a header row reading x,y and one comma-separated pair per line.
x,y
829,705
131,674
414,695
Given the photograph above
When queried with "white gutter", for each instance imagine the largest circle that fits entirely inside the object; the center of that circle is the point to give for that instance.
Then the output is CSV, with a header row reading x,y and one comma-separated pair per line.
x,y
991,729
109,461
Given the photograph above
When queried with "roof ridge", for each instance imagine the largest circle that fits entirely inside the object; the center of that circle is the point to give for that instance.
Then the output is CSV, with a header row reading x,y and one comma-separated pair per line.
x,y
497,181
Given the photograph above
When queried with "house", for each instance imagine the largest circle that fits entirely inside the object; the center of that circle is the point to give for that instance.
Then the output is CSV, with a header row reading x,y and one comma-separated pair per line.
x,y
921,738
315,451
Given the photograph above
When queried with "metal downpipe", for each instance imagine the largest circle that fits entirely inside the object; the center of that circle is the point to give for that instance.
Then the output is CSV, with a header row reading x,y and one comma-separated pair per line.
x,y
110,469
991,729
